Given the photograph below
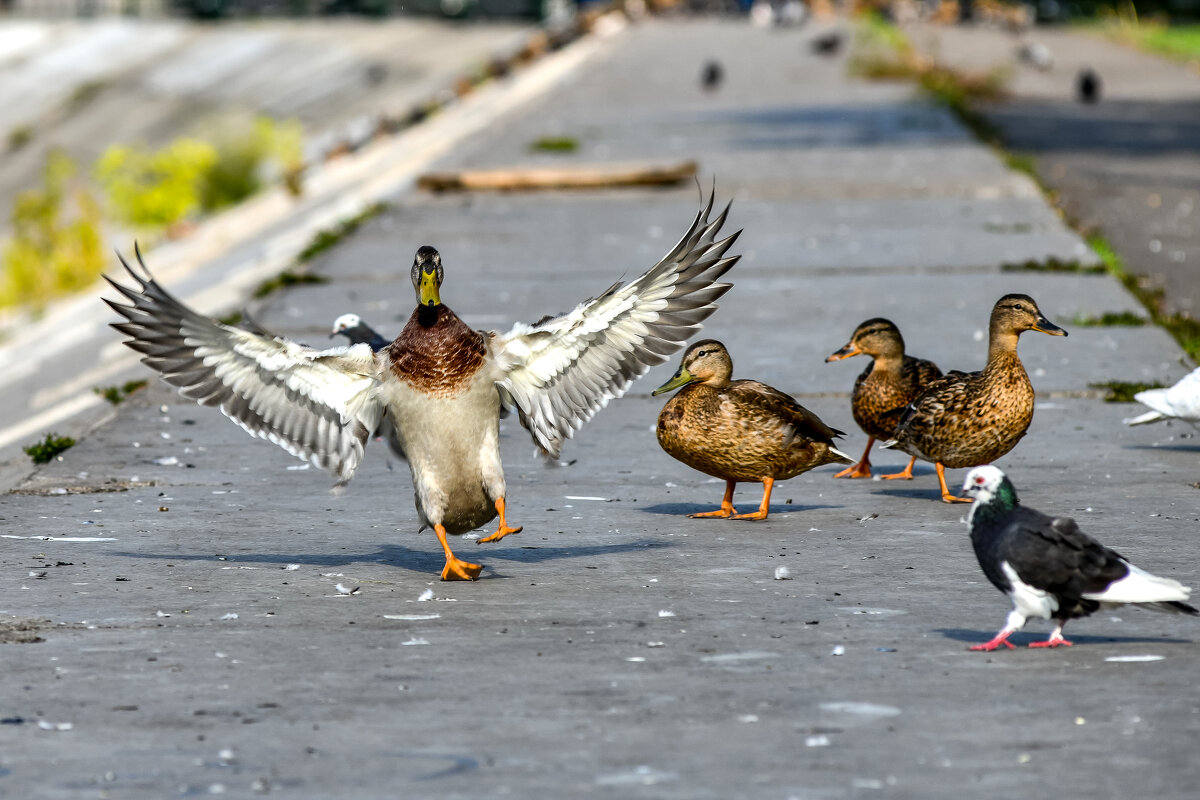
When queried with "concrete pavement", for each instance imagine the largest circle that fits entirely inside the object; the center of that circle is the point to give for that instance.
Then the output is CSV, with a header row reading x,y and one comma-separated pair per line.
x,y
1127,166
195,640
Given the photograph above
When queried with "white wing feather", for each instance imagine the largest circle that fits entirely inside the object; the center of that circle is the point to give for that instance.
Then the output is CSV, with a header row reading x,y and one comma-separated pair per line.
x,y
319,405
561,371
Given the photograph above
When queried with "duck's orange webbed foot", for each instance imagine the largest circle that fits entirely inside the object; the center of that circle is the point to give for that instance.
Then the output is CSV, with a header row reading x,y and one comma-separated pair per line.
x,y
946,496
456,569
904,475
725,511
860,470
863,468
503,530
768,484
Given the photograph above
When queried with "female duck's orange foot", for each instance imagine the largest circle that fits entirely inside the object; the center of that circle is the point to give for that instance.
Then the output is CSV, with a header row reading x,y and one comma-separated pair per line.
x,y
458,570
860,470
768,484
946,496
904,475
503,530
760,514
724,512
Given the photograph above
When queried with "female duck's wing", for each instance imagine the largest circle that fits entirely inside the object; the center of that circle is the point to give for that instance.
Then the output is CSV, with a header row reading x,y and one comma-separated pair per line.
x,y
561,370
318,405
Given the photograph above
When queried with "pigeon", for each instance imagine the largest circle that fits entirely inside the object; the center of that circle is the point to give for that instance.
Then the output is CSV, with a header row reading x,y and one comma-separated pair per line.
x,y
1087,86
358,332
437,390
827,44
1049,567
1181,402
711,75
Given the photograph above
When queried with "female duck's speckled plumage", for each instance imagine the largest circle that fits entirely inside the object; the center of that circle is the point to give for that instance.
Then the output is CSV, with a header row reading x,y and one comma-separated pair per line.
x,y
970,419
436,391
739,431
885,388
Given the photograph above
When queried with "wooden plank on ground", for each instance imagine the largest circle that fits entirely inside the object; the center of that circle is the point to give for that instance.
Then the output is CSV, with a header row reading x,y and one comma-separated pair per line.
x,y
593,176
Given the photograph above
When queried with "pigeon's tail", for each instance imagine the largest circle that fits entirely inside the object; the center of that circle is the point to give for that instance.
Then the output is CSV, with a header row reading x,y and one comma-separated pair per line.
x,y
1173,607
1144,419
1139,586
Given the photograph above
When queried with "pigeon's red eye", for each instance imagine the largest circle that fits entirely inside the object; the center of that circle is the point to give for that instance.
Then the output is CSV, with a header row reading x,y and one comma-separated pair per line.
x,y
980,480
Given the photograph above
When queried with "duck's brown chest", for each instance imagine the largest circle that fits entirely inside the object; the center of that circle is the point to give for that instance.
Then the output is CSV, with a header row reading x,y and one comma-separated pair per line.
x,y
437,353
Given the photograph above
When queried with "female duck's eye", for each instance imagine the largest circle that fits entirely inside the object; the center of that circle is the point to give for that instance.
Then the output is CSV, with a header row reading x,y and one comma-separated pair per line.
x,y
701,354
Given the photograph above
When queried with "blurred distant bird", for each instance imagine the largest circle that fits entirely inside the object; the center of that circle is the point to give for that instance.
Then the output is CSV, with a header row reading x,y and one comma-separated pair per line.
x,y
827,44
358,332
1049,567
1036,55
1087,86
437,389
711,75
739,431
1181,402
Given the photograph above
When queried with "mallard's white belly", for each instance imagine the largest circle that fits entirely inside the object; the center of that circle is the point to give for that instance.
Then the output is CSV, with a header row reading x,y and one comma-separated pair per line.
x,y
452,445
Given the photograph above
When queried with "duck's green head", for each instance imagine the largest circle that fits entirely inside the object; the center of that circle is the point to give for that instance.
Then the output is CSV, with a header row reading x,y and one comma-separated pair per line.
x,y
427,276
706,361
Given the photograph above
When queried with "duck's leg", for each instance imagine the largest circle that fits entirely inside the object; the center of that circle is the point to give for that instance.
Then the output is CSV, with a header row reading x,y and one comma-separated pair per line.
x,y
503,530
906,475
863,468
456,569
726,510
946,496
768,484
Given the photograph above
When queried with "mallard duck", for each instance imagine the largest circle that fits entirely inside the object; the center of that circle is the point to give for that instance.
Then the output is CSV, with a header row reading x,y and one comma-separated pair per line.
x,y
968,419
436,391
1049,567
884,389
739,430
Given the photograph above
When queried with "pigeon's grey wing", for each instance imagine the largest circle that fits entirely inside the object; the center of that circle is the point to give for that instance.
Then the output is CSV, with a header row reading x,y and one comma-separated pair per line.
x,y
562,370
318,405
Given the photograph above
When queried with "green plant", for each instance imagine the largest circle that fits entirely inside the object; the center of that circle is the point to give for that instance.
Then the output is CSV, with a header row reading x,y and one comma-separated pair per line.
x,y
117,394
248,152
1123,391
327,237
285,279
19,136
156,189
56,245
1110,319
46,450
555,144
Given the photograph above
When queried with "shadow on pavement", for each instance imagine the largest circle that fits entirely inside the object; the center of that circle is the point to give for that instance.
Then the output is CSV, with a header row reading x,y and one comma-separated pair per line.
x,y
1022,639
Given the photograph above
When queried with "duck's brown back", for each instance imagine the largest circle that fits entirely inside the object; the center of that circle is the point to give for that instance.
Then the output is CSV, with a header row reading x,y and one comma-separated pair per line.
x,y
745,431
969,419
882,395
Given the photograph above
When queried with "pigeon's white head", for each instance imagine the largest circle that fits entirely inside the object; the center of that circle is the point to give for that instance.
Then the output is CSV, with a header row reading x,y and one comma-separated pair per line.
x,y
983,483
346,322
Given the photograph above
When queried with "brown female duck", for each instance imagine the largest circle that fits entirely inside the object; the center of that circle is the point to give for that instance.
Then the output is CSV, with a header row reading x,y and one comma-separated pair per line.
x,y
970,419
739,430
884,389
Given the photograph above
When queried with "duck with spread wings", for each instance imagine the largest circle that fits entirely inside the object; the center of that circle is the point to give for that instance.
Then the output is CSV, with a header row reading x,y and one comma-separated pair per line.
x,y
436,391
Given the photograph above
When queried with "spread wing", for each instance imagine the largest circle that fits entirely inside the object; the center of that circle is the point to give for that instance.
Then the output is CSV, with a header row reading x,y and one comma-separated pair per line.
x,y
319,405
560,371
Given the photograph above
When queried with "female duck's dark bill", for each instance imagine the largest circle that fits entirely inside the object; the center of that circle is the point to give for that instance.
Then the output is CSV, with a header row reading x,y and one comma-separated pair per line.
x,y
1046,326
680,378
